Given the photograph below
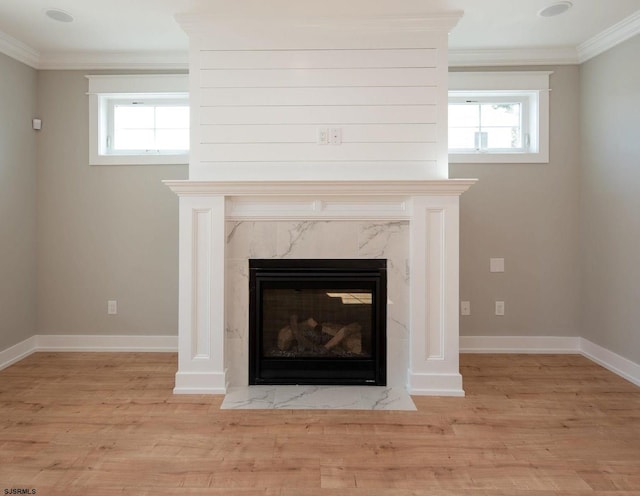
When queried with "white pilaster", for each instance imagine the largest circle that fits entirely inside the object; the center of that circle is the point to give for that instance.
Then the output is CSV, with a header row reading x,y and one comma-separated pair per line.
x,y
201,302
434,251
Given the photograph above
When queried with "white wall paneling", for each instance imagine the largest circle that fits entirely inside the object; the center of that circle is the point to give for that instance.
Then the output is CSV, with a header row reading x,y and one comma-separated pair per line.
x,y
306,133
296,58
263,90
314,78
299,152
324,115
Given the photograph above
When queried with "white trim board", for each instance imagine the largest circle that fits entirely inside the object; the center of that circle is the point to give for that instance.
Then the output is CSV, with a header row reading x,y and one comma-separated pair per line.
x,y
97,343
17,352
617,364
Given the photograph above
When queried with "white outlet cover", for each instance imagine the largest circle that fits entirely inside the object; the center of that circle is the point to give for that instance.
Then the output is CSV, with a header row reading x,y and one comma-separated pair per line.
x,y
112,307
465,308
499,307
496,265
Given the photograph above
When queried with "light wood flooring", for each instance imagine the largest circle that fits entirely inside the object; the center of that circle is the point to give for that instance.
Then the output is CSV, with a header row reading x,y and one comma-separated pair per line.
x,y
94,423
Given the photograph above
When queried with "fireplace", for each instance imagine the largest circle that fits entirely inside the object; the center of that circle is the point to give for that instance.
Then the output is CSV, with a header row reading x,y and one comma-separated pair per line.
x,y
327,135
317,321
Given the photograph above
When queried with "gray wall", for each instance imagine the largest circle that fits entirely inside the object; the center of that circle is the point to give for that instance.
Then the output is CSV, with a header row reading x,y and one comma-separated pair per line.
x,y
527,214
610,200
17,202
104,232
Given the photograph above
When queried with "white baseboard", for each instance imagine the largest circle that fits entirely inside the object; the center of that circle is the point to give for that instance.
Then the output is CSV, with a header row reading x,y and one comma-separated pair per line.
x,y
612,361
201,383
42,342
617,364
519,344
424,384
17,352
107,343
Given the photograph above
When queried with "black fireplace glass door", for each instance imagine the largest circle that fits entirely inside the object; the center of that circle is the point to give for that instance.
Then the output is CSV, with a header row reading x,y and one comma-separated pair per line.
x,y
317,321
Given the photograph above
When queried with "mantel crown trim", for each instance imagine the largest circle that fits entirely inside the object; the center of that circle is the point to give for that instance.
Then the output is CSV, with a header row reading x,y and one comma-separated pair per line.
x,y
430,21
442,187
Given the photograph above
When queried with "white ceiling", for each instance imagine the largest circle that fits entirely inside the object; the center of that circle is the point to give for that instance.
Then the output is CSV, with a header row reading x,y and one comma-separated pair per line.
x,y
143,33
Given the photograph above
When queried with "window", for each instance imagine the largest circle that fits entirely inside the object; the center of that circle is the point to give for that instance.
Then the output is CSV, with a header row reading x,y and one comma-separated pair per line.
x,y
138,119
499,117
147,125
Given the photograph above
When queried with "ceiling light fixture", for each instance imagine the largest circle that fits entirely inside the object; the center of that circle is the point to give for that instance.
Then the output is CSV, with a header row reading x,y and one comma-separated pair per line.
x,y
59,15
556,9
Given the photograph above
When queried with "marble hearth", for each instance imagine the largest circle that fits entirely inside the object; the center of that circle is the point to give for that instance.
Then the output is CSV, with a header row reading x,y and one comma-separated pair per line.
x,y
412,224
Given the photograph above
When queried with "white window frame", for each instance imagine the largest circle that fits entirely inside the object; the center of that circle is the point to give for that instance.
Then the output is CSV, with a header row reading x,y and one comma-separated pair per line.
x,y
104,90
532,87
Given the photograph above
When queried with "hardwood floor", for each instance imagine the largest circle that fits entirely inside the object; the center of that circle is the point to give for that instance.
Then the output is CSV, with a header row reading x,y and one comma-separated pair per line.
x,y
94,423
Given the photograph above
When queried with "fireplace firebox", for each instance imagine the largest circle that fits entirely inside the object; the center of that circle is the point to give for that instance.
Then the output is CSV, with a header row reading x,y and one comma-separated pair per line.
x,y
317,321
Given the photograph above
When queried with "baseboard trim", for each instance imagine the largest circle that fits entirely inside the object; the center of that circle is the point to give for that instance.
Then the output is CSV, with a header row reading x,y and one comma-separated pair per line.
x,y
17,352
201,383
95,343
425,384
519,344
99,343
617,364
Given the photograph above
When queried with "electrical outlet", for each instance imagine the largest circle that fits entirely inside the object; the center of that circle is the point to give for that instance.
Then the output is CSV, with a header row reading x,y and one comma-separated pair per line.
x,y
496,265
112,307
465,308
335,136
499,307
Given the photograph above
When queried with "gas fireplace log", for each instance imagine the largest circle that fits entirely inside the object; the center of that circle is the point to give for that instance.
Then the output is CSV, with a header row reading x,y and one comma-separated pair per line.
x,y
346,331
353,343
298,329
307,333
285,338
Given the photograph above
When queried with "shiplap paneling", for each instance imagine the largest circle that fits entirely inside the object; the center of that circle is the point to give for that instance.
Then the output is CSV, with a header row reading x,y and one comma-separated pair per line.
x,y
314,59
224,97
335,114
268,106
316,77
307,133
299,152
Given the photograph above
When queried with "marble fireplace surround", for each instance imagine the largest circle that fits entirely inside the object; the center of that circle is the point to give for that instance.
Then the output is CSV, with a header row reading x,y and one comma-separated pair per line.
x,y
414,224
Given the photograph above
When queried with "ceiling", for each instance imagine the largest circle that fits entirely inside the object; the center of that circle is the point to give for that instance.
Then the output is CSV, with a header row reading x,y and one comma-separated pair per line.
x,y
144,33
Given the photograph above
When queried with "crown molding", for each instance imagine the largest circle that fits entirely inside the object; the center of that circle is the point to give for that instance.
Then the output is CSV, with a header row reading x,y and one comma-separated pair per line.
x,y
176,60
512,57
19,51
609,38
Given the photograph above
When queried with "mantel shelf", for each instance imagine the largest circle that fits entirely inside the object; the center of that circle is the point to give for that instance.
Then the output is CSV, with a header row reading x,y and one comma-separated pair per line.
x,y
442,187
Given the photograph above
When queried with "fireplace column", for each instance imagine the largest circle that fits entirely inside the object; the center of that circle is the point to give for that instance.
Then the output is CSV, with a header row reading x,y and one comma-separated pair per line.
x,y
201,323
434,254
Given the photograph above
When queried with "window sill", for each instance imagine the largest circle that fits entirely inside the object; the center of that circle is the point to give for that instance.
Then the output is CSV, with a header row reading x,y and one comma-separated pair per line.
x,y
182,159
498,158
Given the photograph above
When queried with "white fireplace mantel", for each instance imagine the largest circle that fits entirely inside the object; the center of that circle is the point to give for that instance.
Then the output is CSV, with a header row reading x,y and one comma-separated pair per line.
x,y
430,206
